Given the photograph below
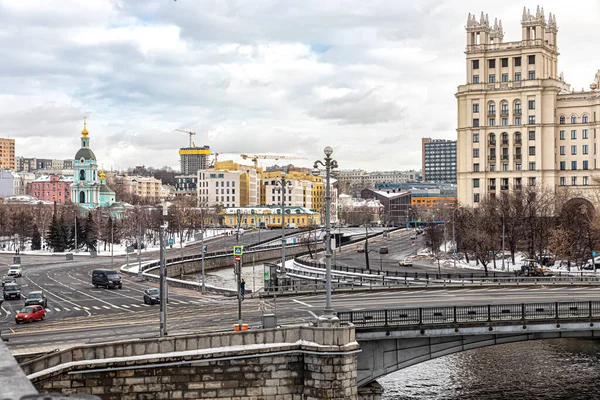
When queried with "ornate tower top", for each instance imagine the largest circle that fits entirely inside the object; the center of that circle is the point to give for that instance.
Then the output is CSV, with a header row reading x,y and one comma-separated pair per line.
x,y
84,132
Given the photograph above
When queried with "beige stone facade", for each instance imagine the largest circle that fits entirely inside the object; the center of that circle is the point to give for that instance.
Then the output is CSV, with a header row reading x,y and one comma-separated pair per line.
x,y
143,186
519,123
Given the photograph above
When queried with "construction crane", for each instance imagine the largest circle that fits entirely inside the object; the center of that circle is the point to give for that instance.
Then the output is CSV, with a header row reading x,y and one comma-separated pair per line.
x,y
189,133
255,158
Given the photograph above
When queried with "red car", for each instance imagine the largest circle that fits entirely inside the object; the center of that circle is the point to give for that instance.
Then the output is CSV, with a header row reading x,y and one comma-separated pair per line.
x,y
30,314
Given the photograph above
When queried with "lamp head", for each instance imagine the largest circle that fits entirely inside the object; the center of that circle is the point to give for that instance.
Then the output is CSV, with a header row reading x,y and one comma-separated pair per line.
x,y
282,174
316,171
328,151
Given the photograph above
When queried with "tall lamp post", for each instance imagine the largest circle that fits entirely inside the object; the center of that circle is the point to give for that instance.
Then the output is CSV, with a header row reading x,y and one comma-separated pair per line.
x,y
283,183
328,319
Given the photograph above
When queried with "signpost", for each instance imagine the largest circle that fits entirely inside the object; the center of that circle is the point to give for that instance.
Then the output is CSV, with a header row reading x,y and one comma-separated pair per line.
x,y
594,260
238,251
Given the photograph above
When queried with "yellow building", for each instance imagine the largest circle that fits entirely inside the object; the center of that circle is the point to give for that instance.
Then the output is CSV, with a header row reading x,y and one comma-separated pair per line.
x,y
270,217
519,122
304,190
8,160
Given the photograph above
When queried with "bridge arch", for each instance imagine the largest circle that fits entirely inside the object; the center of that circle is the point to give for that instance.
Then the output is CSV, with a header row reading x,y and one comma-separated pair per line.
x,y
387,355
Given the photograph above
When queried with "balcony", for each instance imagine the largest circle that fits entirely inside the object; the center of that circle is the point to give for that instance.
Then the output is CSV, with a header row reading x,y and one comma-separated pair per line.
x,y
504,142
492,142
504,157
518,141
491,113
492,158
517,111
492,188
517,156
504,187
504,113
518,186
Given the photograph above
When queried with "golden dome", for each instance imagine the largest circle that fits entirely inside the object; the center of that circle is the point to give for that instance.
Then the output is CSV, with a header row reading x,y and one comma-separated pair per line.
x,y
84,132
102,175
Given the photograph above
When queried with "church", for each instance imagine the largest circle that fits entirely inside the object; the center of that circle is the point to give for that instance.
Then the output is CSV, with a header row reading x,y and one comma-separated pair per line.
x,y
89,189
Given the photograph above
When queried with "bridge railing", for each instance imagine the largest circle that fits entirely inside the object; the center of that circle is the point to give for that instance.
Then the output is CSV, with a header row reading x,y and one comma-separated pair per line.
x,y
475,313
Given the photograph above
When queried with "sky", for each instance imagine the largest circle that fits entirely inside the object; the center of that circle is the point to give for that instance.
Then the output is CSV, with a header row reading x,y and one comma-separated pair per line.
x,y
369,78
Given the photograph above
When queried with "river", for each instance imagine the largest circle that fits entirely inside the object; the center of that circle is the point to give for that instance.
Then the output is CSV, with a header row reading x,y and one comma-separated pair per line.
x,y
545,369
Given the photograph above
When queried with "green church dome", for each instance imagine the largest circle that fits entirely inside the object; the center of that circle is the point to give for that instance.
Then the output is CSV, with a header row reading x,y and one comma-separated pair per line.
x,y
85,153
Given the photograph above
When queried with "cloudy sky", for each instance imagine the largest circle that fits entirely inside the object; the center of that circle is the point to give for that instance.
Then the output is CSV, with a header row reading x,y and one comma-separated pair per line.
x,y
367,77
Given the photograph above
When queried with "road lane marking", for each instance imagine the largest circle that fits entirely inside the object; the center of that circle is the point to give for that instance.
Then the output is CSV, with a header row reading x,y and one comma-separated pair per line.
x,y
76,308
66,309
56,309
125,306
303,303
86,308
96,308
107,307
51,293
135,305
11,329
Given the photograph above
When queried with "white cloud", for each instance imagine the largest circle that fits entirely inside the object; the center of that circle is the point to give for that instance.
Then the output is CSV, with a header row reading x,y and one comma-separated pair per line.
x,y
260,76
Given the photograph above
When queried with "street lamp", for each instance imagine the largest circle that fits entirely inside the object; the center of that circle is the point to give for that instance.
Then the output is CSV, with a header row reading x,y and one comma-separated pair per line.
x,y
283,183
328,319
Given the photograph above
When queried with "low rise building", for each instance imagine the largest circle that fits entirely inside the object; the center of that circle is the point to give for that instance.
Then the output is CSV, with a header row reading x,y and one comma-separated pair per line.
x,y
145,187
396,206
7,183
51,188
270,216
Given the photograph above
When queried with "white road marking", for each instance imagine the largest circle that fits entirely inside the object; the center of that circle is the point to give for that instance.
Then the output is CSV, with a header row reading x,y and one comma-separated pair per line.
x,y
107,307
56,309
135,305
86,308
301,302
96,308
66,309
125,306
76,308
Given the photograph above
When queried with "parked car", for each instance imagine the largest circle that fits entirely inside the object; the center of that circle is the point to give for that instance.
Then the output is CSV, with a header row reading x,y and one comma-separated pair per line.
x,y
15,270
7,279
405,263
12,291
36,298
152,296
107,278
30,314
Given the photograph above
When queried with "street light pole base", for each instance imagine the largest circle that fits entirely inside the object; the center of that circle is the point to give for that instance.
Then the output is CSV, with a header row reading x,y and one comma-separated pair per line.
x,y
328,320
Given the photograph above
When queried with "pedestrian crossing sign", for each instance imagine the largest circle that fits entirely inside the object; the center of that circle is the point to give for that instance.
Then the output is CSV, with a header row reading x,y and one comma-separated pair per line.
x,y
238,250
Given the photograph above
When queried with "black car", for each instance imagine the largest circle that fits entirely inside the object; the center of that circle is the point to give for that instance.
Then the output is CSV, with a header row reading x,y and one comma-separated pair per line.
x,y
107,278
383,250
36,298
152,296
7,279
12,291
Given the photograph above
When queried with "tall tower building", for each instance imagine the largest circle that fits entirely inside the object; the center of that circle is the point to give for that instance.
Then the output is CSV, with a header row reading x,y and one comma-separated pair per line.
x,y
193,159
438,160
518,121
8,159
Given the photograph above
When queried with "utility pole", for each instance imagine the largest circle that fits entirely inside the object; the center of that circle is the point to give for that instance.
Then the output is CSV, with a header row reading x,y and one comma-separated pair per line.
x,y
76,248
139,249
202,246
112,243
367,247
239,292
503,234
163,280
454,239
283,183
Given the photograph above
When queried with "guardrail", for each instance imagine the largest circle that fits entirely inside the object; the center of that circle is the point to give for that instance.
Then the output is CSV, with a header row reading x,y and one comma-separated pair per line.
x,y
469,314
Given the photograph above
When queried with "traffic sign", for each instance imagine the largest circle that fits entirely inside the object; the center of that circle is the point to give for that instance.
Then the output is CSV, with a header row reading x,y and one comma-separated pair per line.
x,y
237,258
238,250
204,249
593,254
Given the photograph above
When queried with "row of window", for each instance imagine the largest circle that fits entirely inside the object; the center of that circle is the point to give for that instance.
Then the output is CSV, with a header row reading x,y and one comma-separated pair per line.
x,y
504,62
223,183
531,135
59,194
504,121
532,166
223,191
584,119
584,150
504,77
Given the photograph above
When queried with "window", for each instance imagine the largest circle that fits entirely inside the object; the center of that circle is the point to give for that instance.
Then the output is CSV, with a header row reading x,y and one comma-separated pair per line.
x,y
517,77
475,153
531,104
532,181
518,137
584,119
584,149
505,167
492,63
475,122
504,62
492,167
562,119
532,166
517,107
504,77
584,133
476,183
492,78
573,150
492,122
586,181
585,164
532,119
563,150
517,120
476,167
504,107
475,197
531,74
492,108
563,166
574,165
517,61
475,64
562,181
573,134
531,135
574,180
476,138
504,121
531,59
532,150
562,135
518,166
475,78
475,107
573,119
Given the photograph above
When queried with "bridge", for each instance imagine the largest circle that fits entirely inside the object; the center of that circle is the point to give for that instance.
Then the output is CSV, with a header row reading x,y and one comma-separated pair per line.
x,y
306,360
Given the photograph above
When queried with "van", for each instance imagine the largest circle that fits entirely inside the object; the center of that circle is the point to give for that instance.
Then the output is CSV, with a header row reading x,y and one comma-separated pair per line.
x,y
107,278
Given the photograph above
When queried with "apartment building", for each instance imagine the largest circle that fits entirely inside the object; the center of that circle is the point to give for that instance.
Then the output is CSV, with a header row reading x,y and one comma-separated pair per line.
x,y
51,188
143,186
7,154
193,159
438,160
229,184
519,122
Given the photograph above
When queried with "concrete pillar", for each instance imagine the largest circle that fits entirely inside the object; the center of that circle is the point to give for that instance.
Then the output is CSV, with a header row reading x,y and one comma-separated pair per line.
x,y
371,391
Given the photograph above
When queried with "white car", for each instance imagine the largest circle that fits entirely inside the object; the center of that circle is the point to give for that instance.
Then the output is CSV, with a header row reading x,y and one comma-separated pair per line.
x,y
405,263
15,270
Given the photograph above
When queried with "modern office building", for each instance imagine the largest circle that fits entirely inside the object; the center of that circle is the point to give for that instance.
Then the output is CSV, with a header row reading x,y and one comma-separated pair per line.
x,y
519,122
438,159
186,185
193,159
396,206
7,154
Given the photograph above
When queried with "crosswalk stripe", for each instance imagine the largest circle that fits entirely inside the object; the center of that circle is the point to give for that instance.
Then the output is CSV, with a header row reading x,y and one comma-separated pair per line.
x,y
96,308
66,309
145,305
76,308
56,309
113,306
125,306
106,307
47,310
135,305
86,308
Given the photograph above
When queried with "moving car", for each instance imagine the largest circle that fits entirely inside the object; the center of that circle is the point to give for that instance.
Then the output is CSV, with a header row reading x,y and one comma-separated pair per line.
x,y
383,250
360,248
30,314
107,278
15,270
405,263
12,291
36,298
152,296
7,279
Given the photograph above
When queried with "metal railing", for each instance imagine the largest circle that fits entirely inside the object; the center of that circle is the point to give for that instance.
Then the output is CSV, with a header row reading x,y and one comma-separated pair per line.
x,y
468,314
